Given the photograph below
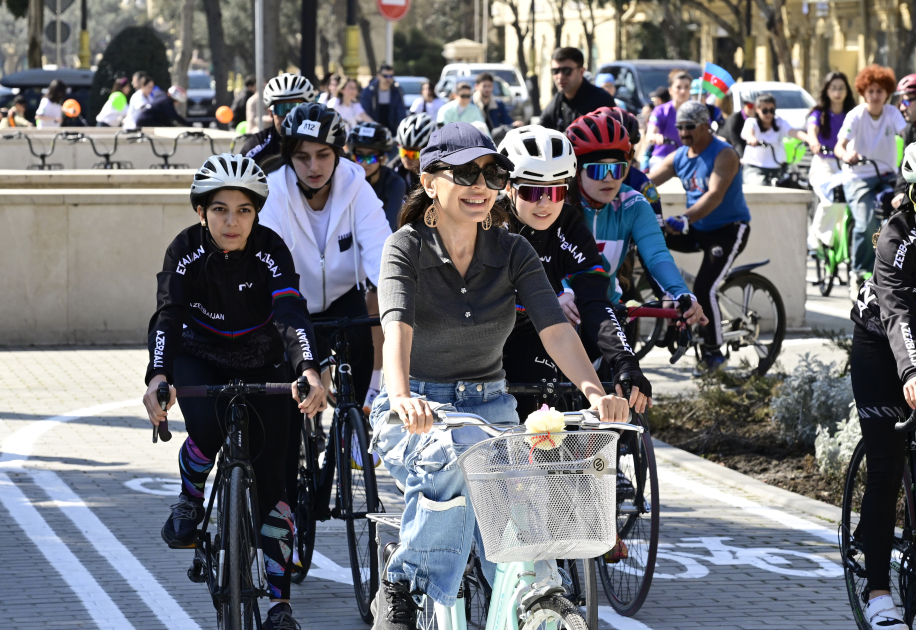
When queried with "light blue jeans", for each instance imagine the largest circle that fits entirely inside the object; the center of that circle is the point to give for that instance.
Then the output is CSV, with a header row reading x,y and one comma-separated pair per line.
x,y
438,525
860,195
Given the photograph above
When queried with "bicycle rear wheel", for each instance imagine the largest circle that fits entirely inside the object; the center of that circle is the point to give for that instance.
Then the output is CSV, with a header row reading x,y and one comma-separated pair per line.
x,y
305,515
240,600
359,497
753,318
851,547
626,572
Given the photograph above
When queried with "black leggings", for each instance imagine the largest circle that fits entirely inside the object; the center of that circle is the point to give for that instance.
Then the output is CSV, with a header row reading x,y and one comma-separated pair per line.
x,y
720,247
526,361
880,402
205,422
351,304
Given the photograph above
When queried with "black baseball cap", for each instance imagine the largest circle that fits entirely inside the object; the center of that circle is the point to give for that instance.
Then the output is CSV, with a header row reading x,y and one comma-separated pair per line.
x,y
459,143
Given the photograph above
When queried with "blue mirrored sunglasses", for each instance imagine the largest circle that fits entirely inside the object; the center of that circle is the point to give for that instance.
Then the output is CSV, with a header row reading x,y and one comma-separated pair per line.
x,y
368,160
599,170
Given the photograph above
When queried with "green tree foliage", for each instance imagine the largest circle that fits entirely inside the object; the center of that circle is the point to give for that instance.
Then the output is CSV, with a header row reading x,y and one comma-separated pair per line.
x,y
19,8
416,54
134,49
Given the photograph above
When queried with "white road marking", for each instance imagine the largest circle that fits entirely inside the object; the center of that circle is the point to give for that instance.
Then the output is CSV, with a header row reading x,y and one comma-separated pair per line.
x,y
609,615
161,486
326,569
16,450
666,475
826,309
103,611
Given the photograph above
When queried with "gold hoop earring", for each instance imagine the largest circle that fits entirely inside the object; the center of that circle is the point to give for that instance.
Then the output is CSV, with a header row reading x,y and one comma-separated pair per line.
x,y
431,216
487,223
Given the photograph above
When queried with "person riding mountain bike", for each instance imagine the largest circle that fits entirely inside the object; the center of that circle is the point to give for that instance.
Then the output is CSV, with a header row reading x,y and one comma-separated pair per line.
x,y
327,213
717,220
413,136
229,307
762,164
614,212
544,164
281,95
635,178
883,366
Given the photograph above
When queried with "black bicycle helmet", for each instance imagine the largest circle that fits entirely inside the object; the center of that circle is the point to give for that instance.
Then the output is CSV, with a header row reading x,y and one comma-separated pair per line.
x,y
315,122
370,135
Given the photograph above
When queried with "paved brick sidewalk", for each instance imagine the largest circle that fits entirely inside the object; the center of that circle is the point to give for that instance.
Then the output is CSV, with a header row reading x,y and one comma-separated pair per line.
x,y
705,576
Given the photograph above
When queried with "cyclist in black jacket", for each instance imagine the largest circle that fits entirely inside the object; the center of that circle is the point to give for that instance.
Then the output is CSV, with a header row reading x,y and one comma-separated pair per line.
x,y
884,384
544,160
413,136
281,95
229,307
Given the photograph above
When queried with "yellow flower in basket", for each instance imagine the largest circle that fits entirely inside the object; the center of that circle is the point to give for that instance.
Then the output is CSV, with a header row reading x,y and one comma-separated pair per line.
x,y
549,421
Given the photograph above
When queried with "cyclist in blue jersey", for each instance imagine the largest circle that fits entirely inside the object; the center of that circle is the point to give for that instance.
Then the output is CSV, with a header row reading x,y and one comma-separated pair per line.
x,y
635,178
717,218
615,212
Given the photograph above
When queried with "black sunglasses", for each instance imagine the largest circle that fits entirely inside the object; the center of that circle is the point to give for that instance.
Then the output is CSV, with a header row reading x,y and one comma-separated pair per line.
x,y
495,177
387,76
465,95
566,71
685,126
766,110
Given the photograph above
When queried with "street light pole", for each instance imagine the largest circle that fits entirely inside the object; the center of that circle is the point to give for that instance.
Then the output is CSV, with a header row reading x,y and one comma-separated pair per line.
x,y
85,54
351,51
259,57
308,24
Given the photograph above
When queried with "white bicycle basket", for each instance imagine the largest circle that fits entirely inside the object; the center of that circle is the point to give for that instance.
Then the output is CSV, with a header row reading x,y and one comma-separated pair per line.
x,y
540,496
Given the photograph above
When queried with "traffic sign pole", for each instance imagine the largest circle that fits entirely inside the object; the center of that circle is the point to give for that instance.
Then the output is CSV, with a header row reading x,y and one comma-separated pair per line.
x,y
392,11
58,34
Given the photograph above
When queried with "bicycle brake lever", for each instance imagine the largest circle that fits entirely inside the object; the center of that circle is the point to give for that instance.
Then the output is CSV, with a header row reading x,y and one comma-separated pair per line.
x,y
302,384
683,342
162,394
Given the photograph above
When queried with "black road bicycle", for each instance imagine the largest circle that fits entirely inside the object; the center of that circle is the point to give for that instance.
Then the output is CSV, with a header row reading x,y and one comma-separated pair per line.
x,y
231,561
626,572
903,551
347,455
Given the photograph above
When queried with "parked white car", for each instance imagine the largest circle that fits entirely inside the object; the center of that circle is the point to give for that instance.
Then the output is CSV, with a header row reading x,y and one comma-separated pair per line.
x,y
504,71
792,101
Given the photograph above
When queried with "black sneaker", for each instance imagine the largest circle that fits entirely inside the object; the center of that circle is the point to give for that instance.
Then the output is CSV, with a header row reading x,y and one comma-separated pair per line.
x,y
397,609
280,617
180,530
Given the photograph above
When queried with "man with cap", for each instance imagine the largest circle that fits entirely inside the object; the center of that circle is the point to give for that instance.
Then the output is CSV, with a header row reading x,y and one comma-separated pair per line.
x,y
450,280
717,221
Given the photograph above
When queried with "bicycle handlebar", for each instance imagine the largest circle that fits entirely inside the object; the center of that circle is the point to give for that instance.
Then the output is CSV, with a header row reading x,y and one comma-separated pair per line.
x,y
585,419
908,425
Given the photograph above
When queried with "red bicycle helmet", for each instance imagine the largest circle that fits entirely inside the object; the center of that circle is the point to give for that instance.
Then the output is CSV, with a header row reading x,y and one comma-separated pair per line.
x,y
907,85
625,118
597,136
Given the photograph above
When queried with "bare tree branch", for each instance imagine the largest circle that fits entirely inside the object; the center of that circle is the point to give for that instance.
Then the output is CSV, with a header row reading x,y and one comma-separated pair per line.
x,y
715,17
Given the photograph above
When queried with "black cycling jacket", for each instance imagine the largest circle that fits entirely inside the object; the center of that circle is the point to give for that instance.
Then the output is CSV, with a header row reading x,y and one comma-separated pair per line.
x,y
390,189
238,310
568,251
886,304
262,145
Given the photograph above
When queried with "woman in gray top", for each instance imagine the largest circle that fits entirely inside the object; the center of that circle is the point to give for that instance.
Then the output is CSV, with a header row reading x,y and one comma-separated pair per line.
x,y
450,281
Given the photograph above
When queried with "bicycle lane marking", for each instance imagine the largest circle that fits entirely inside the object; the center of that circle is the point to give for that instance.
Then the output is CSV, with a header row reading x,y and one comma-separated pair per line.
x,y
17,448
777,516
618,622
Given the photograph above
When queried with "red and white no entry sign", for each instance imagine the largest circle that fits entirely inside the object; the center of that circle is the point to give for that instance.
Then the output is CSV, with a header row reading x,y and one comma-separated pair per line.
x,y
393,10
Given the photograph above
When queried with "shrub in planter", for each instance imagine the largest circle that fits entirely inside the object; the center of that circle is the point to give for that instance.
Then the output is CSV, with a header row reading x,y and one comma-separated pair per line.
x,y
833,452
814,395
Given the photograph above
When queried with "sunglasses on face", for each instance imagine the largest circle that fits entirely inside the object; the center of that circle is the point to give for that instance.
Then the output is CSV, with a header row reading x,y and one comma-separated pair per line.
x,y
282,109
468,95
599,170
387,76
566,71
495,177
766,110
533,194
366,160
906,102
410,154
685,126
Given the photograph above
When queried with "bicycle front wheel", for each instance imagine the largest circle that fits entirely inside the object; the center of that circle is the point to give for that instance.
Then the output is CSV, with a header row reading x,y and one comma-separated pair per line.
x,y
359,497
554,612
753,320
626,571
238,606
305,515
851,546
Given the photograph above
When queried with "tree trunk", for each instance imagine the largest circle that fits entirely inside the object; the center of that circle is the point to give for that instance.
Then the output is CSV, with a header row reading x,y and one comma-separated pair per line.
x,y
520,33
36,26
672,27
365,27
559,22
218,54
324,54
777,30
588,28
907,39
183,58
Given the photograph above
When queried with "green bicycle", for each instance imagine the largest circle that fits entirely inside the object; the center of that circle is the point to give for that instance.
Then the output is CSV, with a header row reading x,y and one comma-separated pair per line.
x,y
546,496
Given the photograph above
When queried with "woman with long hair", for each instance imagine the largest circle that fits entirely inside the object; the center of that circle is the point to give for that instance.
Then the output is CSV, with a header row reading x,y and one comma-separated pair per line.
x,y
661,130
763,163
451,278
115,108
346,103
50,111
835,100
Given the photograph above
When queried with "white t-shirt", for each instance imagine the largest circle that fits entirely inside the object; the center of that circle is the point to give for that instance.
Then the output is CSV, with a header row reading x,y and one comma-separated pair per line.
x,y
431,108
319,220
350,113
762,157
874,139
138,101
47,108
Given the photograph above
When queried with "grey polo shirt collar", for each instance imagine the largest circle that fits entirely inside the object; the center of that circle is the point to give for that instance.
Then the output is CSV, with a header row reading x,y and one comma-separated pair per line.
x,y
487,250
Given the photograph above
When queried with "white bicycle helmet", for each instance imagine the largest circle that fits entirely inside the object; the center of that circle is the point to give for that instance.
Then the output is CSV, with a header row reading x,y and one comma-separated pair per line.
x,y
235,172
415,130
908,167
539,154
178,93
287,87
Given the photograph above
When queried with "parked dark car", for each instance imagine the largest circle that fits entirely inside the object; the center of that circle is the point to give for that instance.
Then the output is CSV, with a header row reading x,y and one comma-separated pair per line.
x,y
31,83
637,79
201,98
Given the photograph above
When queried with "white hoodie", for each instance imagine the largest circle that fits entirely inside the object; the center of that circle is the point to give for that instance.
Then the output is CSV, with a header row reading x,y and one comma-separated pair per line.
x,y
357,229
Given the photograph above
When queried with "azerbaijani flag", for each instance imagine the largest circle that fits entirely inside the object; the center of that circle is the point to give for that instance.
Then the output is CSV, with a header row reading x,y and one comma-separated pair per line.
x,y
716,80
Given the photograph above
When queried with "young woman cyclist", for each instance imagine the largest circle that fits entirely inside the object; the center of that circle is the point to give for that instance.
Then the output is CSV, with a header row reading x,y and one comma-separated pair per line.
x,y
824,122
451,279
346,103
884,385
761,164
207,332
544,163
616,213
413,135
